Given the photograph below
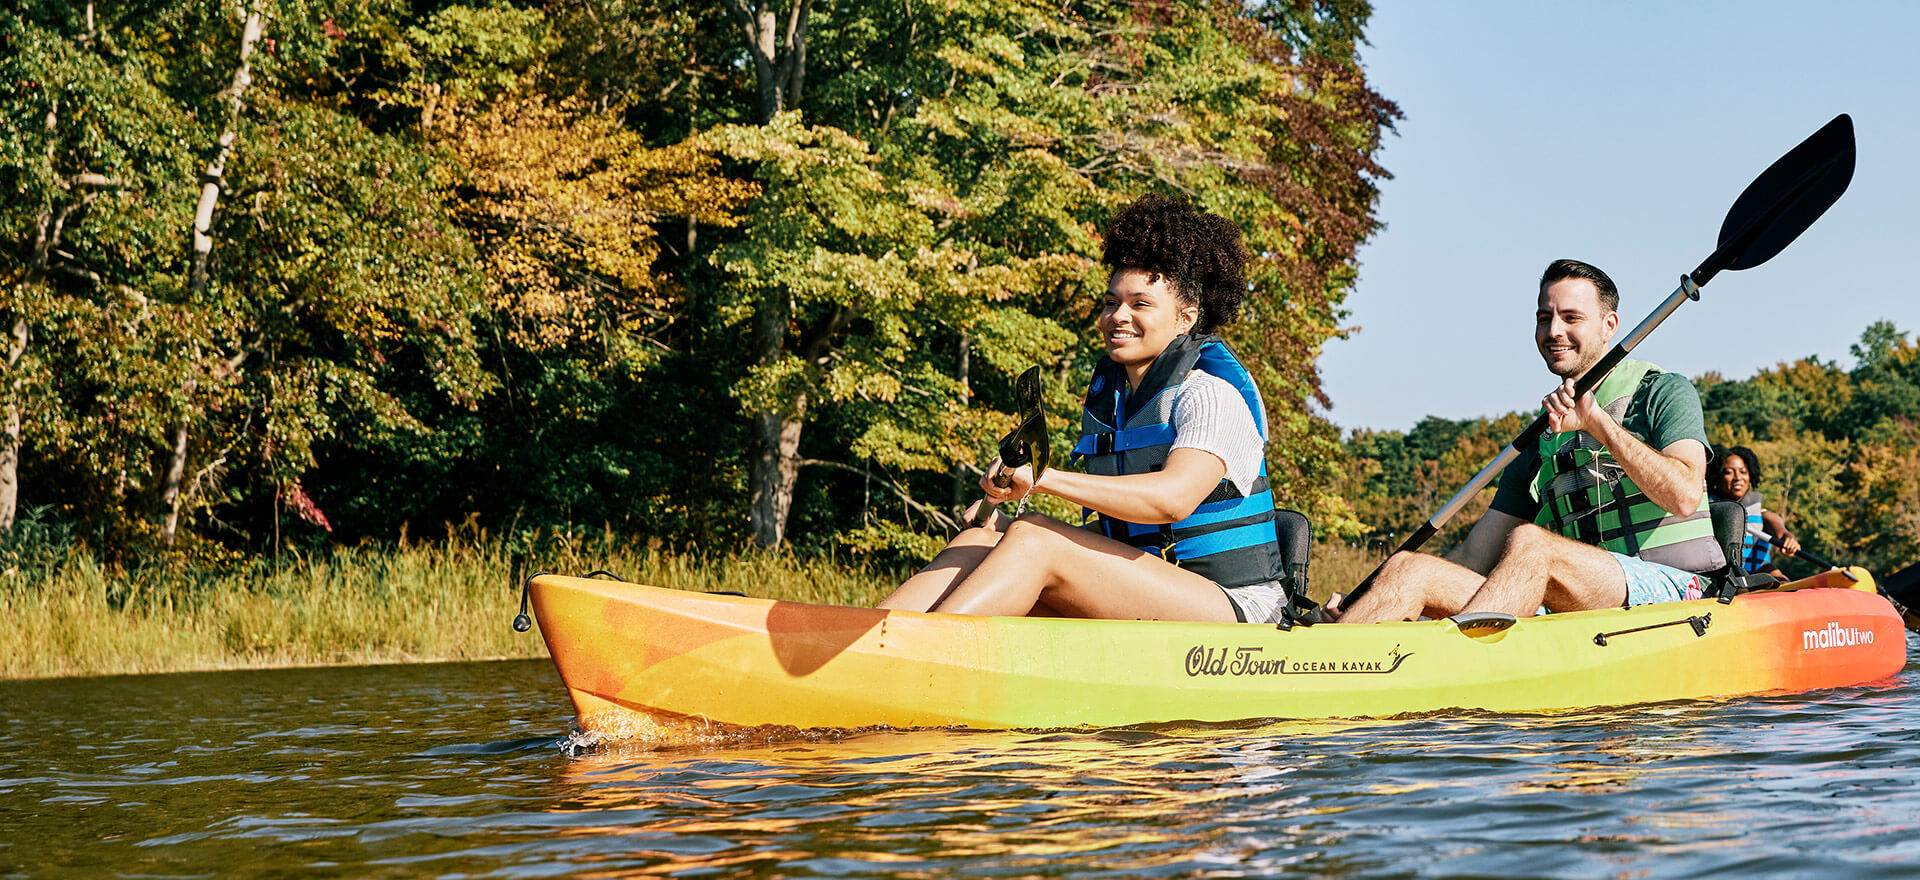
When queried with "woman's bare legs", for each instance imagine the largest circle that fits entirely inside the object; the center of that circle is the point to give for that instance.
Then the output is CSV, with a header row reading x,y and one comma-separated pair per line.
x,y
1077,573
950,566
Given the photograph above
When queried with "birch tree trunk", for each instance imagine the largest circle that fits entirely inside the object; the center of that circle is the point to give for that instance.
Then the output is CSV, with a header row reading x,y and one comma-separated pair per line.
x,y
10,435
776,37
46,235
251,30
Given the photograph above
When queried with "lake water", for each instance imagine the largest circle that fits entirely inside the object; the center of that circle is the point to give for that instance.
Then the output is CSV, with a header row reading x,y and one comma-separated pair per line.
x,y
463,771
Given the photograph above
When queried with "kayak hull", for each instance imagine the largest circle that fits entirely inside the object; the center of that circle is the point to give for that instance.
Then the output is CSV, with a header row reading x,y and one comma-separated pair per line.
x,y
645,661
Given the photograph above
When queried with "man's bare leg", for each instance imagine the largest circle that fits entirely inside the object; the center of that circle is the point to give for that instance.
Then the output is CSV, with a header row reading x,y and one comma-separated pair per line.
x,y
1538,567
1412,584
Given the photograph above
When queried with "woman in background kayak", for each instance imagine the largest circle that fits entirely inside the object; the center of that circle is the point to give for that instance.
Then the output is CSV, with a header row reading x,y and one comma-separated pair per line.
x,y
1172,440
1734,475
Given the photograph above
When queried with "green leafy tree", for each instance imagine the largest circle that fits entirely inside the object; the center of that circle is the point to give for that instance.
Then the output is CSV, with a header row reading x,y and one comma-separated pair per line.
x,y
284,268
943,195
95,153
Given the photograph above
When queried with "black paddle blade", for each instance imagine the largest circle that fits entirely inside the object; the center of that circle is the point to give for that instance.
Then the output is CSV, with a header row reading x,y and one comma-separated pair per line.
x,y
1027,442
1026,391
1784,200
1029,391
1903,586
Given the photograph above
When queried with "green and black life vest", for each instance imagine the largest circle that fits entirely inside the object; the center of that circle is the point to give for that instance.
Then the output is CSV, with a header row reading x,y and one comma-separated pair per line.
x,y
1229,539
1586,495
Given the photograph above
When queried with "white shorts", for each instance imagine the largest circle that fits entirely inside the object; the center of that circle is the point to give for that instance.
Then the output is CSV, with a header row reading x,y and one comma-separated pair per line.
x,y
1258,603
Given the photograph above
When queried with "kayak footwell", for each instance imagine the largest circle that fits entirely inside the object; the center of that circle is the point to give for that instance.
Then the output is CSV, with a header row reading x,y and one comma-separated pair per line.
x,y
669,666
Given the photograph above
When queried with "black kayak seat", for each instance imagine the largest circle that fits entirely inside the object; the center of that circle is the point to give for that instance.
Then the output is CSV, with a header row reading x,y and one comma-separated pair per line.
x,y
1730,529
1295,534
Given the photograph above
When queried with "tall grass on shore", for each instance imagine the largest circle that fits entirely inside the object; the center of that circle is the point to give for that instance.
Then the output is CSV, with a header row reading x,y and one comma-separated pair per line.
x,y
450,600
1339,567
445,600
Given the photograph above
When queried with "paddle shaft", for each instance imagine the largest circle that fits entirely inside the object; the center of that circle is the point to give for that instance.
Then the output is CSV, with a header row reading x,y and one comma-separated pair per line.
x,y
984,514
1802,553
1688,290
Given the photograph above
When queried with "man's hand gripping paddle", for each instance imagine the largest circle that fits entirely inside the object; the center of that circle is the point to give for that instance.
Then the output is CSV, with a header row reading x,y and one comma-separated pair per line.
x,y
1025,444
1775,208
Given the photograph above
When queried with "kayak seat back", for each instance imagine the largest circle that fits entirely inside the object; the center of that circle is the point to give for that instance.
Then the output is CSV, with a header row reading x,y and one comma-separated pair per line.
x,y
1296,547
1730,529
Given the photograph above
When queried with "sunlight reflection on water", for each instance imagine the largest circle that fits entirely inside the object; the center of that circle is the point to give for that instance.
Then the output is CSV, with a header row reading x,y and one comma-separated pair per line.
x,y
459,771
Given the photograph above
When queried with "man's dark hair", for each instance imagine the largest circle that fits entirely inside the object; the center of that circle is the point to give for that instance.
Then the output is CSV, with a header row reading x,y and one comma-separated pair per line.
x,y
1561,270
1199,254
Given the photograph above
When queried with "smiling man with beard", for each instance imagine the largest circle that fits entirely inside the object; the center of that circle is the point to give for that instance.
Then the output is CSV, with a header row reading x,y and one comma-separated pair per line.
x,y
1607,510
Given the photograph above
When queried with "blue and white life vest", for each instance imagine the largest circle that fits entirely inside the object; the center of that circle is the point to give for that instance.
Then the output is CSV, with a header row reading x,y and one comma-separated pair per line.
x,y
1229,539
1758,551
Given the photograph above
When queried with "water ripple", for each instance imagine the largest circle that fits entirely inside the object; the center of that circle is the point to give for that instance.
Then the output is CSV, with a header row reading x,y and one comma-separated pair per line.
x,y
469,770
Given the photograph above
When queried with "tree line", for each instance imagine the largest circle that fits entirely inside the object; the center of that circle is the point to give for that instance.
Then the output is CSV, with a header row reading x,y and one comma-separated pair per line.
x,y
1840,450
728,272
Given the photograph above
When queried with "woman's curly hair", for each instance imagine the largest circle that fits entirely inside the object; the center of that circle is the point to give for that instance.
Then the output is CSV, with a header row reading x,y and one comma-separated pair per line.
x,y
1199,254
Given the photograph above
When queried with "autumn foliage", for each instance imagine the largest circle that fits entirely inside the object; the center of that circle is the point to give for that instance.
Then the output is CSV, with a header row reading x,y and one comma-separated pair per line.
x,y
755,271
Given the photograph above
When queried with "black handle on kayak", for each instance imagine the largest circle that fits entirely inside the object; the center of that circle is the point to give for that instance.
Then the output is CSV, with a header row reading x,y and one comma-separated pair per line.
x,y
524,620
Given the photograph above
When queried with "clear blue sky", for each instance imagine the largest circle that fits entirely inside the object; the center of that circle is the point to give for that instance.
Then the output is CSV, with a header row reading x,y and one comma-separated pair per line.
x,y
1620,133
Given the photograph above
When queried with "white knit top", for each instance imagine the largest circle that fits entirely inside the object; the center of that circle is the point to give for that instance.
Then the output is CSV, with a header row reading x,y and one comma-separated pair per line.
x,y
1209,415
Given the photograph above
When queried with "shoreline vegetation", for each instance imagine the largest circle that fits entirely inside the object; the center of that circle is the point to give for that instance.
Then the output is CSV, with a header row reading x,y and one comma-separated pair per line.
x,y
449,600
430,601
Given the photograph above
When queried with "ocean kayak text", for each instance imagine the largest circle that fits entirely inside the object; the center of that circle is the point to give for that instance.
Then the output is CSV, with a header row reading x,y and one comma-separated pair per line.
x,y
1202,660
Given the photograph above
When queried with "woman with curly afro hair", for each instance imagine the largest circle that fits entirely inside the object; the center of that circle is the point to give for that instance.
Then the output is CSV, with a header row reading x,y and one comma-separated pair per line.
x,y
1734,475
1172,442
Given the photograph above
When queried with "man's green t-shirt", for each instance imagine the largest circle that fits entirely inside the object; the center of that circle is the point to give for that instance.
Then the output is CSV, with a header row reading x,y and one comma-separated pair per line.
x,y
1665,409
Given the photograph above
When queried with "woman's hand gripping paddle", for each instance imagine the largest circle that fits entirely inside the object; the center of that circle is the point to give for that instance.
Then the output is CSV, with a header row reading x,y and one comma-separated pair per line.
x,y
1775,208
1802,553
1025,444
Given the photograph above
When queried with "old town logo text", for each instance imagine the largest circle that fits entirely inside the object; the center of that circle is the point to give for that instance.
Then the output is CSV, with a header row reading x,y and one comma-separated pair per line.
x,y
1202,660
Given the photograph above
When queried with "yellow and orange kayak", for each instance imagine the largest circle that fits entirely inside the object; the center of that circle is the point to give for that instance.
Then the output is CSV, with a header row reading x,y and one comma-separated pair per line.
x,y
640,660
